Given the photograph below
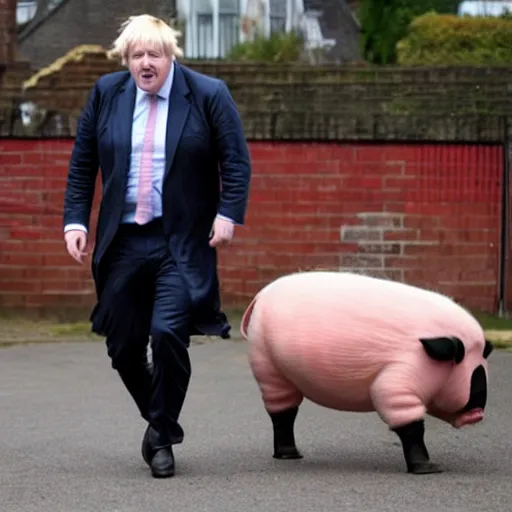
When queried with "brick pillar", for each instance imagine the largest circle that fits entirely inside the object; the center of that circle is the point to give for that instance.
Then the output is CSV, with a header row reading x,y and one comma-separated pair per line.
x,y
8,34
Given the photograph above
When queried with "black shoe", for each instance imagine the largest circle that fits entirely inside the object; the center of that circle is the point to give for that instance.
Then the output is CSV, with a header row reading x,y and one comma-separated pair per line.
x,y
162,464
161,460
147,450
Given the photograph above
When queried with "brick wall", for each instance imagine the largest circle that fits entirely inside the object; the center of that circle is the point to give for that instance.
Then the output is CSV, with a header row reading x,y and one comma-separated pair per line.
x,y
424,214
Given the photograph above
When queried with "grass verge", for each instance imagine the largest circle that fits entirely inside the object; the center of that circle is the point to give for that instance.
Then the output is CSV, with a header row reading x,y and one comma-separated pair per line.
x,y
15,330
497,330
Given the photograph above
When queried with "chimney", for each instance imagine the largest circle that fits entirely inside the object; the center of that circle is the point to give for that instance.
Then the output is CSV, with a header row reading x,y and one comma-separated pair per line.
x,y
8,32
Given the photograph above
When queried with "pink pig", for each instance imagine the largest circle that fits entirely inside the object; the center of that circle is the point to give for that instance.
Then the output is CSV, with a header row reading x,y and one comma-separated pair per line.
x,y
356,343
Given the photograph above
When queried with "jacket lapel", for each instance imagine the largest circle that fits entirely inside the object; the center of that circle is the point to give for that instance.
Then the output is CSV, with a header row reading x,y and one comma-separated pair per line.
x,y
122,121
179,107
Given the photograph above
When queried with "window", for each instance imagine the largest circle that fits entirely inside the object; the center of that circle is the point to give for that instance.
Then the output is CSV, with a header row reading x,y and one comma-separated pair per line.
x,y
229,25
202,28
25,11
277,14
214,26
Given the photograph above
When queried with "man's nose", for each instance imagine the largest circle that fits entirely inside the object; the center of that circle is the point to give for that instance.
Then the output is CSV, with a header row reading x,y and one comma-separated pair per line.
x,y
145,61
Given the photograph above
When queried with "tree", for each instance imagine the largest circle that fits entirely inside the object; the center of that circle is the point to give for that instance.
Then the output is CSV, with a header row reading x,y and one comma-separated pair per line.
x,y
385,22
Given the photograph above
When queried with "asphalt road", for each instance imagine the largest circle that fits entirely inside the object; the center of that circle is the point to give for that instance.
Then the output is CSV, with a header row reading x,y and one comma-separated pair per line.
x,y
70,442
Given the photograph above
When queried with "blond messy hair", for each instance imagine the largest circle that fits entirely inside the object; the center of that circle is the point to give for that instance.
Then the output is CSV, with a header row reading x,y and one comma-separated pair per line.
x,y
145,29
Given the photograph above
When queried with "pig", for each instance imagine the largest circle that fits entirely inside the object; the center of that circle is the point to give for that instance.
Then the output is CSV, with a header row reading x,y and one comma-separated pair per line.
x,y
352,342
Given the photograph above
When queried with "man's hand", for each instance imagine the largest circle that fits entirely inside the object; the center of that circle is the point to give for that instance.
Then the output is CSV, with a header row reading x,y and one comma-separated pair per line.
x,y
76,243
222,232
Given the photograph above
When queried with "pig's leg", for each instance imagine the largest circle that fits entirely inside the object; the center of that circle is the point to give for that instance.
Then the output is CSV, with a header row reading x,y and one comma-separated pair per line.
x,y
396,397
281,399
283,423
415,452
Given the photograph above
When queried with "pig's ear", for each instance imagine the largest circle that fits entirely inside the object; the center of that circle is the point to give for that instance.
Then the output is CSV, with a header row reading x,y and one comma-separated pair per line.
x,y
444,348
489,347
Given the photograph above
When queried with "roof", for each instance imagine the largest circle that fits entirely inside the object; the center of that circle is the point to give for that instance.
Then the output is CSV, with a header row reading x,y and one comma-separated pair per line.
x,y
45,10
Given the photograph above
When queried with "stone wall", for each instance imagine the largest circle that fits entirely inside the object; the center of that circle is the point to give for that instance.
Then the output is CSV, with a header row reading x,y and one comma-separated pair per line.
x,y
324,102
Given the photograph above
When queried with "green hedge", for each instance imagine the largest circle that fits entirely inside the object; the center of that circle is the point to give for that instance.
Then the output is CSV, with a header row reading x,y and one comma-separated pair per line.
x,y
385,22
454,40
279,47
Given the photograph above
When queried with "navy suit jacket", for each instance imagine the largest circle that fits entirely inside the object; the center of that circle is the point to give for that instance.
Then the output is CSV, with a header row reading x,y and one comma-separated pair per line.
x,y
204,136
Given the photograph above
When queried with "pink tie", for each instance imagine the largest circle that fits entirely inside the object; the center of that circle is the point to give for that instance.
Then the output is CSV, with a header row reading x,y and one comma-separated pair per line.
x,y
144,209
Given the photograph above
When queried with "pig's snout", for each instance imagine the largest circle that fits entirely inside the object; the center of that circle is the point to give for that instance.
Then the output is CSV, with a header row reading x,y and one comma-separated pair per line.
x,y
473,411
478,391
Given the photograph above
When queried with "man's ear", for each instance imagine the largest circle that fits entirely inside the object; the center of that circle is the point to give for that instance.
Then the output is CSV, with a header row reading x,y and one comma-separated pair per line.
x,y
444,348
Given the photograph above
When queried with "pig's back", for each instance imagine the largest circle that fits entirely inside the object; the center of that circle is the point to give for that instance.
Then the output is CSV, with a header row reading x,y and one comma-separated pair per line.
x,y
331,333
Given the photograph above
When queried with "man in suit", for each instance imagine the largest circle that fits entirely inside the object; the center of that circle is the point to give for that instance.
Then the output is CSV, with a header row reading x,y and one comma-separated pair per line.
x,y
175,172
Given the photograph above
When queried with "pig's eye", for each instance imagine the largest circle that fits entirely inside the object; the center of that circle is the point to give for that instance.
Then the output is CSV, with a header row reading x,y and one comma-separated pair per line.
x,y
489,347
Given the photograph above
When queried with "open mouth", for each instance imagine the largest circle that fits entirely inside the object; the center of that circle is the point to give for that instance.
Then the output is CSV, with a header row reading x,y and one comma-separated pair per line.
x,y
147,76
469,418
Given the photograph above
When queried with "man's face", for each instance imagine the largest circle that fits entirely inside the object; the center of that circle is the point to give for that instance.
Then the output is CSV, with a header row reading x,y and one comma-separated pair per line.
x,y
149,66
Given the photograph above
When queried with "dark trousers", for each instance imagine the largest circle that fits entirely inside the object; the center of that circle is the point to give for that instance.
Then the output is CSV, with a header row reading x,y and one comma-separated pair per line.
x,y
145,296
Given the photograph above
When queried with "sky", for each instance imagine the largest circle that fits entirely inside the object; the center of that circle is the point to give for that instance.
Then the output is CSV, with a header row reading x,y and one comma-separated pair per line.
x,y
484,7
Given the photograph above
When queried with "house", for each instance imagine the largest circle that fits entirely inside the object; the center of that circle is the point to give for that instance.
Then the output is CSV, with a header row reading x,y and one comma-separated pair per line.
x,y
57,26
210,27
337,27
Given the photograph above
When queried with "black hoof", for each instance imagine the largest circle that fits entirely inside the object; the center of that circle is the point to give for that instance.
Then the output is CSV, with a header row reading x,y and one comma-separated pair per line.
x,y
287,453
284,438
415,452
424,468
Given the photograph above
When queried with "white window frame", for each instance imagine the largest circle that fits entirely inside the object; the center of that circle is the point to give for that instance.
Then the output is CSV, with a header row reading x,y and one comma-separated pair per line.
x,y
25,11
294,9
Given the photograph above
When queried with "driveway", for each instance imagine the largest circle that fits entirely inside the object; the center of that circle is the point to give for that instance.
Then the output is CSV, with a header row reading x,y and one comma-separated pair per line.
x,y
70,442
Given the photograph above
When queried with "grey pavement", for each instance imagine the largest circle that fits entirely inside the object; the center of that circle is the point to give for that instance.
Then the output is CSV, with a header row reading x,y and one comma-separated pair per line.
x,y
70,442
